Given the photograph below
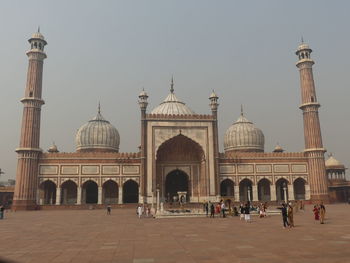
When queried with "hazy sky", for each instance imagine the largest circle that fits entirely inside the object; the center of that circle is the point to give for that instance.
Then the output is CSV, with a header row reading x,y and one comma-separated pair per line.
x,y
108,50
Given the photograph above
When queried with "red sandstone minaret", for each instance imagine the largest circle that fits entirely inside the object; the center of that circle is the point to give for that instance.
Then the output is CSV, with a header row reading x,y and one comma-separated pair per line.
x,y
312,131
29,150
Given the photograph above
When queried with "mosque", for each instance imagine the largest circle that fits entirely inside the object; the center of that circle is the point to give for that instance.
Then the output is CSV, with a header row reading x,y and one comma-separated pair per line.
x,y
179,152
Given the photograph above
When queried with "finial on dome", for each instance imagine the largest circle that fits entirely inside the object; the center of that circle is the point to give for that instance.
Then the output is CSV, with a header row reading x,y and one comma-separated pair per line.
x,y
38,29
302,40
172,84
99,108
242,110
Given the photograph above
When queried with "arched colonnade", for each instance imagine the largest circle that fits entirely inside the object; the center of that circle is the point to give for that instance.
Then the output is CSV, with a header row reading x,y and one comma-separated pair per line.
x,y
264,190
69,193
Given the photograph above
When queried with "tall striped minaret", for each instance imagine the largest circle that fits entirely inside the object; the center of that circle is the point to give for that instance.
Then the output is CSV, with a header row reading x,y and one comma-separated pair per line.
x,y
312,131
29,150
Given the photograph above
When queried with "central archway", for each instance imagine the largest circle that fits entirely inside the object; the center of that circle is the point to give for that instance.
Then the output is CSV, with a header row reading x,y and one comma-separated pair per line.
x,y
176,181
185,157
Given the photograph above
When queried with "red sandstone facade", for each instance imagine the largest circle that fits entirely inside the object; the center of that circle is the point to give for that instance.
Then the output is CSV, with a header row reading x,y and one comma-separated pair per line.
x,y
179,152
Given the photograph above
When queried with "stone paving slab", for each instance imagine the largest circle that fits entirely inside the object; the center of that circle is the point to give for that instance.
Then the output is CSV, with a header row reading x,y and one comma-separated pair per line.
x,y
92,236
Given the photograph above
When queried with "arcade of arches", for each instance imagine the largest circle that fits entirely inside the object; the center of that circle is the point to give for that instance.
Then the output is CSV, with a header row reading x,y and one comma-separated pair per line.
x,y
90,193
180,166
264,191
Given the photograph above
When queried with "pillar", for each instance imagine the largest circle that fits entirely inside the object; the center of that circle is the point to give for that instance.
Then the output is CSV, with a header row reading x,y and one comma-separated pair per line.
x,y
255,193
273,192
307,192
291,192
236,190
120,195
99,198
79,192
58,196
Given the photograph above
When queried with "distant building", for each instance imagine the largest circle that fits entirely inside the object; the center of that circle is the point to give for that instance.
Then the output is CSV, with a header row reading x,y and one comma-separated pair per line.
x,y
179,153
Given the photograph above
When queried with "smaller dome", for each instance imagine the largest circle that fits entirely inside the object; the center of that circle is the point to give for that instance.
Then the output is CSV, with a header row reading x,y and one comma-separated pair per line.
x,y
38,35
143,93
98,135
278,149
332,163
53,148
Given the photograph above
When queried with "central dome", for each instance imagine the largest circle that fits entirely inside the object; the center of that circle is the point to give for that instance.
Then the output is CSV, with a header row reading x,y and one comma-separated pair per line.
x,y
244,136
172,106
98,135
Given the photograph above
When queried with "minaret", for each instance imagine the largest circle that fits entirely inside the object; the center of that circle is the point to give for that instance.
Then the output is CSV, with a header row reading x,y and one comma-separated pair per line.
x,y
214,111
143,106
29,150
312,131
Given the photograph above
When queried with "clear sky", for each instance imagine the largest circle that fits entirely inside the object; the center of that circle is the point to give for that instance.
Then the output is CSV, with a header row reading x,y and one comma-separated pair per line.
x,y
108,50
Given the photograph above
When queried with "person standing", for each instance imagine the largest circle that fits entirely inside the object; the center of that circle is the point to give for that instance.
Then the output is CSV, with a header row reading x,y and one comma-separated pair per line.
x,y
206,208
322,213
247,213
316,213
212,210
2,211
109,208
290,215
223,208
242,211
284,215
139,211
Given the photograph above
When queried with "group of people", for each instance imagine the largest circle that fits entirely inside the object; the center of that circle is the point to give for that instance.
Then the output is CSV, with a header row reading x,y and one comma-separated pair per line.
x,y
319,212
220,209
143,210
287,215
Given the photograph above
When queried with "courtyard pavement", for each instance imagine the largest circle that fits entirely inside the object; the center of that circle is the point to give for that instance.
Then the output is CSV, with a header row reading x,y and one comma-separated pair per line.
x,y
92,236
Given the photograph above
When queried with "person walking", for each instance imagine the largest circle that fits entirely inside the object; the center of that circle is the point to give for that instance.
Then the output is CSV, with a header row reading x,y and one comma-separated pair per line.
x,y
206,208
322,213
109,208
290,215
212,210
284,215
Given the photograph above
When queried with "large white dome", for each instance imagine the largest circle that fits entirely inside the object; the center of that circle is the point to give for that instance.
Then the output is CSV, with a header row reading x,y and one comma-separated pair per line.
x,y
172,106
98,135
244,136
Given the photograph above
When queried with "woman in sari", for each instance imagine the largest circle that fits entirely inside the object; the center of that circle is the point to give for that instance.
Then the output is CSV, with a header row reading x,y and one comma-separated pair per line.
x,y
316,212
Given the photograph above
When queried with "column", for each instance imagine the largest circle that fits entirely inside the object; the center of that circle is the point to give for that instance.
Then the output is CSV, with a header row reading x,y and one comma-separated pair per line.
x,y
58,196
236,190
120,195
291,192
79,195
273,192
255,192
140,196
307,192
65,196
99,200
